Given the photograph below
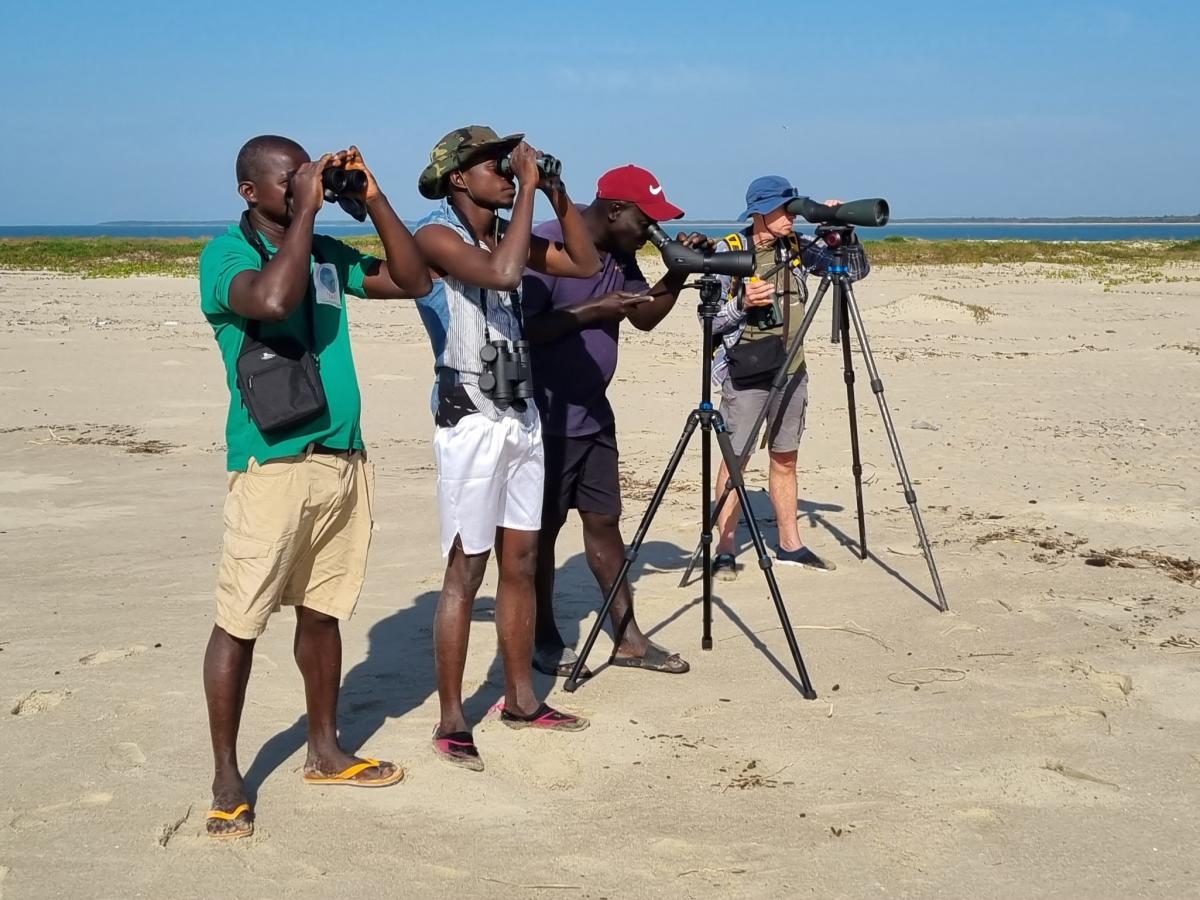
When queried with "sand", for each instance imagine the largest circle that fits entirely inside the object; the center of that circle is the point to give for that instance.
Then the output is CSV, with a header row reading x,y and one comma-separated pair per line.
x,y
1041,739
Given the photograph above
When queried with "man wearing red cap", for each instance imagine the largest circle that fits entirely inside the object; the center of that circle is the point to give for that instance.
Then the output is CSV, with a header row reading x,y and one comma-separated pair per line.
x,y
573,325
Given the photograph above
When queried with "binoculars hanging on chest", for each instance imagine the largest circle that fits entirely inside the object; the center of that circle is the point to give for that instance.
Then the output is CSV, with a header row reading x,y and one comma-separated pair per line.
x,y
506,378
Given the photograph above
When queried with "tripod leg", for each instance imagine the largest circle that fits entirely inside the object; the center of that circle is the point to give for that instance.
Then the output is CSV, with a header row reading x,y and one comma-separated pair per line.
x,y
764,560
852,410
706,516
909,494
777,387
631,554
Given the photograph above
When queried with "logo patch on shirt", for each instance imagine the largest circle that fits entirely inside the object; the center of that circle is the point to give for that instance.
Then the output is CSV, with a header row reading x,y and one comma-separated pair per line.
x,y
325,283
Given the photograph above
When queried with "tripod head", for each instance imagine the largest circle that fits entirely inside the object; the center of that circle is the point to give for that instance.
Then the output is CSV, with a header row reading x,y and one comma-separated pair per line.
x,y
710,296
836,237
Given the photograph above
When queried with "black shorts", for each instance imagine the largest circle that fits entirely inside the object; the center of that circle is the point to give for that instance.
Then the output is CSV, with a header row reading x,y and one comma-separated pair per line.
x,y
581,473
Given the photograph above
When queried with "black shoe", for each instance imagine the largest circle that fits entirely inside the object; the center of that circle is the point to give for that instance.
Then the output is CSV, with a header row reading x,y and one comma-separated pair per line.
x,y
724,567
558,662
803,557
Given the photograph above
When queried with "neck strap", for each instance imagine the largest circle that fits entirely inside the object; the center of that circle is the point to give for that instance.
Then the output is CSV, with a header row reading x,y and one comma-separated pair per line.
x,y
254,239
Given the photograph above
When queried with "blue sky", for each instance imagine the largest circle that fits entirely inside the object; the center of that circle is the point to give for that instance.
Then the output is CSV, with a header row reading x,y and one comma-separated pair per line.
x,y
136,110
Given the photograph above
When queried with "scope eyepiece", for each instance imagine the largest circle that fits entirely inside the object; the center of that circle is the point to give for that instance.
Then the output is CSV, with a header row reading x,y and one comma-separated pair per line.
x,y
656,235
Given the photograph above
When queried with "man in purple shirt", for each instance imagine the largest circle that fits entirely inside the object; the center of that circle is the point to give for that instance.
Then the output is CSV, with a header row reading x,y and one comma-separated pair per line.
x,y
572,325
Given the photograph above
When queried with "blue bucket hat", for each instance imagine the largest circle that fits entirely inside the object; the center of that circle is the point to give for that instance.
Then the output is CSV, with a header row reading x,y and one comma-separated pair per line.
x,y
767,193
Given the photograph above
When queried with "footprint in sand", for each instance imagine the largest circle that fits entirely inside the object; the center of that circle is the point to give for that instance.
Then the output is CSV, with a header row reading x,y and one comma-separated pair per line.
x,y
43,816
100,657
980,818
21,482
39,701
556,772
125,757
1117,685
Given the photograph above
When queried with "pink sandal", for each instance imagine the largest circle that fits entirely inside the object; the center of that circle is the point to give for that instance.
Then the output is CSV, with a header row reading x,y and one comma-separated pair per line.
x,y
457,748
545,717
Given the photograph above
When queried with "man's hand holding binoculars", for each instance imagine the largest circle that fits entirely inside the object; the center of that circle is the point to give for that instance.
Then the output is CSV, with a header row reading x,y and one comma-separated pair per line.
x,y
757,293
352,161
308,194
531,166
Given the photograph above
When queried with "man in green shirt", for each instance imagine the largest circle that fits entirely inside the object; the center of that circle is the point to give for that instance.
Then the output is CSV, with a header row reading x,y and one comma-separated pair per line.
x,y
298,511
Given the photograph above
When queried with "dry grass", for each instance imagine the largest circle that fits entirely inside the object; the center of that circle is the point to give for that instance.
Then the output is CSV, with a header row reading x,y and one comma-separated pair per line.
x,y
1116,262
1185,571
980,313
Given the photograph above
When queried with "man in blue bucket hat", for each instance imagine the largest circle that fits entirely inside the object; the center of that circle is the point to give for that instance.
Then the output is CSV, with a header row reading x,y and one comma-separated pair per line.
x,y
755,326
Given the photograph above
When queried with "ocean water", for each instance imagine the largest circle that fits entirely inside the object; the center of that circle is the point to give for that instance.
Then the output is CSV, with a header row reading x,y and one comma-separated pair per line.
x,y
974,231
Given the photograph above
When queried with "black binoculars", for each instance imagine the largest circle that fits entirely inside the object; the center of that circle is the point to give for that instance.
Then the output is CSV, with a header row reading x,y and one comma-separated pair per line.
x,y
548,165
338,181
346,188
764,317
506,377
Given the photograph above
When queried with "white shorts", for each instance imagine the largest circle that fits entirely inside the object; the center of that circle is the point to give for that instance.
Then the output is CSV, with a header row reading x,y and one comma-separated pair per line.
x,y
490,475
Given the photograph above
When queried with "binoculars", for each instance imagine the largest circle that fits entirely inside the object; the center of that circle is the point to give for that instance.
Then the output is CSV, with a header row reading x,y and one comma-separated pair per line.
x,y
548,165
337,180
506,373
346,188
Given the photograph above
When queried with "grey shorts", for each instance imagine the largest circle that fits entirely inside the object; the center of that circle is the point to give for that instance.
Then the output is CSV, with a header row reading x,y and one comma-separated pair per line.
x,y
785,423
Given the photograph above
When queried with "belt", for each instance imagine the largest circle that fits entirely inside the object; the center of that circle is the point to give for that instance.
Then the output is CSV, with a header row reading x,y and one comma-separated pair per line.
x,y
329,451
448,377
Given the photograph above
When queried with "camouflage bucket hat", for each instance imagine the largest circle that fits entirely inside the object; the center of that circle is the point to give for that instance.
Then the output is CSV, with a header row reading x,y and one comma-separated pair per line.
x,y
454,151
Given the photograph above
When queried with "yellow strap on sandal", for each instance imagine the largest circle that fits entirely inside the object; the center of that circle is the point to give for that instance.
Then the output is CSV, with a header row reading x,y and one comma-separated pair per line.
x,y
348,776
228,816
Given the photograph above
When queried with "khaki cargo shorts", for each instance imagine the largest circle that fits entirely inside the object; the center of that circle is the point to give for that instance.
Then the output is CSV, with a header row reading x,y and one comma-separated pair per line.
x,y
785,420
297,531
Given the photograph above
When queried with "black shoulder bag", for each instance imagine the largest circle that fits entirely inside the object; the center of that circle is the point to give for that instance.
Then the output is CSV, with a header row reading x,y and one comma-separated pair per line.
x,y
279,378
754,363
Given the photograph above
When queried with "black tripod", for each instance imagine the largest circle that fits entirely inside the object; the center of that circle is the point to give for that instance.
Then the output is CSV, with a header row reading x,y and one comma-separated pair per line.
x,y
845,311
709,420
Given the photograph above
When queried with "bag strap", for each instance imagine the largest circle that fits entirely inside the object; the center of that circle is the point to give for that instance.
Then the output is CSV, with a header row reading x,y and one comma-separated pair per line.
x,y
735,241
255,240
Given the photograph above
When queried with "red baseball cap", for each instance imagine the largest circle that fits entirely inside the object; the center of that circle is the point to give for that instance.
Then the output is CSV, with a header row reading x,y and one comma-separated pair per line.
x,y
634,184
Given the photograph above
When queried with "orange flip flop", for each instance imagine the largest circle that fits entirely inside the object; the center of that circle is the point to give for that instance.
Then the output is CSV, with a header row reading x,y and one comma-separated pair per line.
x,y
347,776
247,828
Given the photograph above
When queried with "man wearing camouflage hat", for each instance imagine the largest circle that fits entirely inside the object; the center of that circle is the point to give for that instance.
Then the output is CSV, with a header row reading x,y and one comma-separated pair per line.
x,y
488,443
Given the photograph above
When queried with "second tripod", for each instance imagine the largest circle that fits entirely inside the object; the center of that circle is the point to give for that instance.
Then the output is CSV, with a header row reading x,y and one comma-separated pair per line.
x,y
845,313
709,420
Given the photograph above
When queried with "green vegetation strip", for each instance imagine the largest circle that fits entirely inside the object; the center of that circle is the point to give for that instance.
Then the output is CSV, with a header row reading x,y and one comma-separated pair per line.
x,y
119,257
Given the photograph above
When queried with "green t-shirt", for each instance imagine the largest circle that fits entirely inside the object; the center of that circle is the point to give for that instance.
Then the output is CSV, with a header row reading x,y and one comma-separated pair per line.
x,y
230,254
788,301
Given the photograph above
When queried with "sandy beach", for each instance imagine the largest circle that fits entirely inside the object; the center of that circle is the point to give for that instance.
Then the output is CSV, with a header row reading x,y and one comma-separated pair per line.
x,y
1040,739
